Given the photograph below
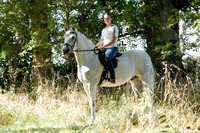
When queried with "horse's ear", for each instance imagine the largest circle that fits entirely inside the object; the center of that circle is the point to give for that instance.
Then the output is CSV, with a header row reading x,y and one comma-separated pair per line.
x,y
66,29
73,28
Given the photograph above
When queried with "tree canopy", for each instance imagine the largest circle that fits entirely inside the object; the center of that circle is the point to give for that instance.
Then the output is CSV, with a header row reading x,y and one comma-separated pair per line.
x,y
29,26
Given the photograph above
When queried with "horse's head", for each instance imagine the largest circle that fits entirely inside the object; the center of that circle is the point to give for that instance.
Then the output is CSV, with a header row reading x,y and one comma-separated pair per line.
x,y
70,40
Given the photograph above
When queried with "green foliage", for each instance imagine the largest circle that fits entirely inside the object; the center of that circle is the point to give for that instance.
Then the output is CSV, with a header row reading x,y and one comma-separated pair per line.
x,y
192,67
191,16
18,37
14,35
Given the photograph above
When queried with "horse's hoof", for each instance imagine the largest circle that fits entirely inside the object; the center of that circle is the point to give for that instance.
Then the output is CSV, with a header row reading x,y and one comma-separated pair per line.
x,y
90,122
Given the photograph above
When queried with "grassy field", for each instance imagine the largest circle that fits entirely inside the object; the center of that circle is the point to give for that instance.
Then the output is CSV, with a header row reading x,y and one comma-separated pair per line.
x,y
69,112
48,109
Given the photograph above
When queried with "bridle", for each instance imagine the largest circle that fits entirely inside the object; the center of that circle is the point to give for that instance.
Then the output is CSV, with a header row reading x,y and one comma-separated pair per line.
x,y
95,50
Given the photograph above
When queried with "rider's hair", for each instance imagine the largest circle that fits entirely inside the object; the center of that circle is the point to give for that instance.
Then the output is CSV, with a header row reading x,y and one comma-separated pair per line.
x,y
111,16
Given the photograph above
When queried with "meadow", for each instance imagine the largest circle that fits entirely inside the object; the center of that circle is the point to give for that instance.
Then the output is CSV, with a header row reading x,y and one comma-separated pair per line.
x,y
53,108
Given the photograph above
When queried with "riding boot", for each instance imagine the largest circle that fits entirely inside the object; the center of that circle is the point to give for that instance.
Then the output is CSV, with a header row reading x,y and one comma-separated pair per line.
x,y
111,70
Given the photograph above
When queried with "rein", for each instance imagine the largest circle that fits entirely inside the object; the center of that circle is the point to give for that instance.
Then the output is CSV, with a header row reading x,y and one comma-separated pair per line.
x,y
88,50
95,50
85,50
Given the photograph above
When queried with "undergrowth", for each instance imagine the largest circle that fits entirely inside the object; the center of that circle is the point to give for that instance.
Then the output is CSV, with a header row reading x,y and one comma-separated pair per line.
x,y
51,108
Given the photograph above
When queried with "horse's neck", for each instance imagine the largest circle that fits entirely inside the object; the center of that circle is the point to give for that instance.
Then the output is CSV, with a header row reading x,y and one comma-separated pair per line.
x,y
84,42
84,58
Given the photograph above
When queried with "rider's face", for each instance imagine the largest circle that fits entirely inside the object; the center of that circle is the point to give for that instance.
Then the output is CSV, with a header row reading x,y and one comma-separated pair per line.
x,y
107,19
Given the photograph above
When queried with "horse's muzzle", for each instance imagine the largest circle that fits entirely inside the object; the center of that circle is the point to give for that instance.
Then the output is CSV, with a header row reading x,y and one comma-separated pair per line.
x,y
66,50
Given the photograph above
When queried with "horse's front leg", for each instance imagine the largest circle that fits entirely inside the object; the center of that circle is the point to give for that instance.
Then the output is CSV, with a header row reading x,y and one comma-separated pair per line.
x,y
91,92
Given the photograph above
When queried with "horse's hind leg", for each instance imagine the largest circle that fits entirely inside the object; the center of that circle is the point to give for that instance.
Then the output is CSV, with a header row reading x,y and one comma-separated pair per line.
x,y
149,80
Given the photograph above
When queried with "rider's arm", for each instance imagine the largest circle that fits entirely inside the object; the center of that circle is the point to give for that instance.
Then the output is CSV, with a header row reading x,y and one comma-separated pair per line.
x,y
110,43
100,43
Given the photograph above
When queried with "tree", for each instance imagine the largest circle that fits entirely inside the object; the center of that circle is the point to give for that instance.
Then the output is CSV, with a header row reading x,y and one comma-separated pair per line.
x,y
162,30
40,38
157,22
159,36
29,30
14,35
25,39
190,19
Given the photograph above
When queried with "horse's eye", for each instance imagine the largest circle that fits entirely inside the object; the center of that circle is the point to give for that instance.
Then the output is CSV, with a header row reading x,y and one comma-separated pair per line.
x,y
73,37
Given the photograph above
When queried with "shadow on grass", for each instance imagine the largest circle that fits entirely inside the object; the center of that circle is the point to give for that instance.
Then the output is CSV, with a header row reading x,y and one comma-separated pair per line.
x,y
73,128
38,130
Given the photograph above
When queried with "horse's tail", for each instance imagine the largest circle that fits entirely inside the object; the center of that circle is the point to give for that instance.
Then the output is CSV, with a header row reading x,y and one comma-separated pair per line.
x,y
152,75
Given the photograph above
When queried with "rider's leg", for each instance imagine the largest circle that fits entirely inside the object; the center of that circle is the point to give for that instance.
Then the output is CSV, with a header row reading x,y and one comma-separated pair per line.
x,y
111,70
109,54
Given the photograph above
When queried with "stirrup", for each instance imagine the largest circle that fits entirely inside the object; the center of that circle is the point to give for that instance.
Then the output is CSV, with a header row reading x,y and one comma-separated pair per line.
x,y
112,80
109,80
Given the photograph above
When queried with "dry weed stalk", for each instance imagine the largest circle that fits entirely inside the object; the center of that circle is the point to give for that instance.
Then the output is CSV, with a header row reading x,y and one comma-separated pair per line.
x,y
174,89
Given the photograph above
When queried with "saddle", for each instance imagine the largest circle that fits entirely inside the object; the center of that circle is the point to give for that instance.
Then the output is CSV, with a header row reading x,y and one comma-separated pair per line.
x,y
104,75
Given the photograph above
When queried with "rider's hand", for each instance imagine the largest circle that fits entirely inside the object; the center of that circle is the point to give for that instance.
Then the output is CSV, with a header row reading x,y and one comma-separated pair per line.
x,y
100,47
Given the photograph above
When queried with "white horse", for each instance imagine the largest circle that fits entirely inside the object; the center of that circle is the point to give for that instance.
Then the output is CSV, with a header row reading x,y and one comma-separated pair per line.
x,y
131,64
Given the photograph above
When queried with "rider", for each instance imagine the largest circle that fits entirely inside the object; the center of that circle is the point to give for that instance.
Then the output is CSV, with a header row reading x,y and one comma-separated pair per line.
x,y
108,43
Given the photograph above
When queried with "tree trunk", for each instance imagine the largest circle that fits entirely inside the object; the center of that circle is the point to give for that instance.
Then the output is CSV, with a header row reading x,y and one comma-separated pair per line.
x,y
40,35
162,42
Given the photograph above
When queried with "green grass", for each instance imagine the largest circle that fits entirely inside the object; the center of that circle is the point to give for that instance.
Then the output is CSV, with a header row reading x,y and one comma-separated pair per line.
x,y
69,112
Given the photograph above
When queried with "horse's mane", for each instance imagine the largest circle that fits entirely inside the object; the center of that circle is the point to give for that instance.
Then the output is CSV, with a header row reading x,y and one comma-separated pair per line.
x,y
87,41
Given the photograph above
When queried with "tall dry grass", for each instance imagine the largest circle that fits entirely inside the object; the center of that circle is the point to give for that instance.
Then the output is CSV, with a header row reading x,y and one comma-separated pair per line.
x,y
179,89
56,107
